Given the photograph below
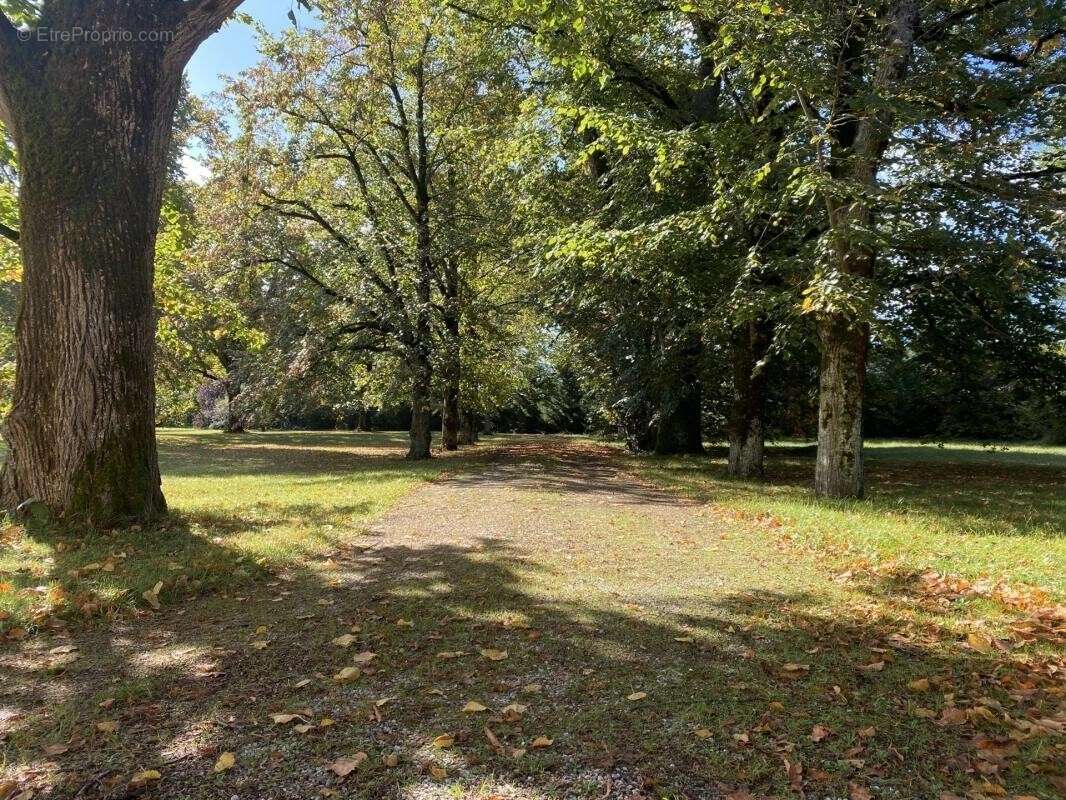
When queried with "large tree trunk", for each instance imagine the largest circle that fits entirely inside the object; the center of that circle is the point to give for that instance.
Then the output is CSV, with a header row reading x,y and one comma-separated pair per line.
x,y
860,136
91,122
839,470
747,424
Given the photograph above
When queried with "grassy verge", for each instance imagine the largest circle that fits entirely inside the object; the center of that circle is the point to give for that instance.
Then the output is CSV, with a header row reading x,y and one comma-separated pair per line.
x,y
969,510
241,507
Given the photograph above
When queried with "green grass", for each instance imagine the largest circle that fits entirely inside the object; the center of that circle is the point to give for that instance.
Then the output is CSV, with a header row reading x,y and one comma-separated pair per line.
x,y
597,586
977,511
241,504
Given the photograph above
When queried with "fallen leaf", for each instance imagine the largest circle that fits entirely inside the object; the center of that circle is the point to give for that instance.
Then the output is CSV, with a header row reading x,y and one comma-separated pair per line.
x,y
304,728
284,719
820,733
107,726
919,685
532,688
152,595
857,791
703,733
260,644
364,658
982,644
439,773
347,640
391,760
347,675
225,761
56,749
494,655
637,696
474,707
873,666
444,740
146,775
513,711
542,741
343,767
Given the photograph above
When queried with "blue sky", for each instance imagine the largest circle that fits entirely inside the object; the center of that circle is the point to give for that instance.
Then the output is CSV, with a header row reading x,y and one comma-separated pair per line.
x,y
231,50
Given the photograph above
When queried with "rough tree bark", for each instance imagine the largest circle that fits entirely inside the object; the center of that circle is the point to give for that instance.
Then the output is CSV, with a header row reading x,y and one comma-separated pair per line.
x,y
91,119
860,136
747,424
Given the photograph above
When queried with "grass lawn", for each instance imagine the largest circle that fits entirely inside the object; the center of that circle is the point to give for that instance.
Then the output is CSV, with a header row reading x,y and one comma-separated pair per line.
x,y
544,617
993,511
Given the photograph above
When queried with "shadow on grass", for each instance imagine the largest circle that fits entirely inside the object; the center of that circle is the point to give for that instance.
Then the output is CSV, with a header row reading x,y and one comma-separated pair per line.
x,y
735,703
996,497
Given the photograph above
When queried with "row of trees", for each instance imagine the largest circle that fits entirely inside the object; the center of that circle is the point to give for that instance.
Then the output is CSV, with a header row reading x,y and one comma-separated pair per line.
x,y
665,207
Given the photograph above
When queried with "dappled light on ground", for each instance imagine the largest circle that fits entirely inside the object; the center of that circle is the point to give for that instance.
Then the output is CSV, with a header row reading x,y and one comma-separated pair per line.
x,y
540,623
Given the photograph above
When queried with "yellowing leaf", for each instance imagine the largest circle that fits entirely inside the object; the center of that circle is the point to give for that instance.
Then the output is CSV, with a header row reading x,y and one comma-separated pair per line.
x,y
982,644
146,776
347,640
703,733
152,595
225,761
919,685
444,740
364,658
494,655
260,644
347,675
284,719
636,696
474,707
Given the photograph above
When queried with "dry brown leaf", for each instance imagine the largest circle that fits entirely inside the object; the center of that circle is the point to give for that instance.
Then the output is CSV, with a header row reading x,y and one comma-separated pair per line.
x,y
541,741
364,658
107,726
703,733
146,776
494,655
439,773
820,733
636,696
474,707
919,685
347,640
857,791
343,767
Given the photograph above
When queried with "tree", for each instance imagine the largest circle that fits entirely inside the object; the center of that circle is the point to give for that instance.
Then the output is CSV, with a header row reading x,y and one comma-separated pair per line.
x,y
88,91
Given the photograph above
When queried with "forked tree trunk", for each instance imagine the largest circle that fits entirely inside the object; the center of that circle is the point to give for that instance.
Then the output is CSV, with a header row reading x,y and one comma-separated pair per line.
x,y
747,424
92,123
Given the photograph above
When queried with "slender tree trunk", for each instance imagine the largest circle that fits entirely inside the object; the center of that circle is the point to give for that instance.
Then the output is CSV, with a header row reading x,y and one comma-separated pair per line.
x,y
234,421
452,368
91,121
679,429
421,410
747,425
467,427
